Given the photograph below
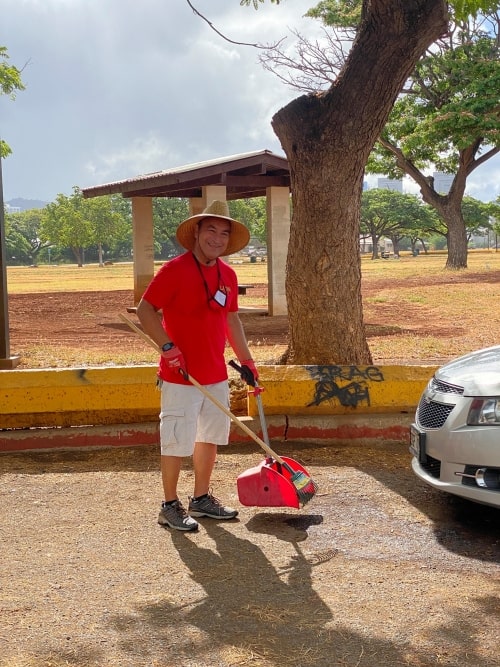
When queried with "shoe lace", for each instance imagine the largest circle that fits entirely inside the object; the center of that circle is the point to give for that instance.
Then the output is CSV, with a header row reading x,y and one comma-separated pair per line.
x,y
211,498
178,508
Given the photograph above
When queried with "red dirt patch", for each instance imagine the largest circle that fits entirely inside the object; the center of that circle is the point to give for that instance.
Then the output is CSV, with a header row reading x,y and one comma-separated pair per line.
x,y
72,321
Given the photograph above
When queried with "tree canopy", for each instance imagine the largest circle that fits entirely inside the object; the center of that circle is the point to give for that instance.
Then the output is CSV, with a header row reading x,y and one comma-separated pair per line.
x,y
446,117
10,82
78,223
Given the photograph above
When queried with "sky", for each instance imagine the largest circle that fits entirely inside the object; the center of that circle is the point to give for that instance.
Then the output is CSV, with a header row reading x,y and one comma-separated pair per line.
x,y
118,88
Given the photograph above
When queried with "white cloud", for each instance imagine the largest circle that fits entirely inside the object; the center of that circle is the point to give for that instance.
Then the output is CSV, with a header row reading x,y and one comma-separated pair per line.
x,y
115,88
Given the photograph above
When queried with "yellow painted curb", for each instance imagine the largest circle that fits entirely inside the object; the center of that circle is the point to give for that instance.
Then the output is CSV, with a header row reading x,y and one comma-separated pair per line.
x,y
126,395
78,396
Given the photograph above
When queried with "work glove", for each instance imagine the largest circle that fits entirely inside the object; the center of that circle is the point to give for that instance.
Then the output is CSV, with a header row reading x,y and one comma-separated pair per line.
x,y
175,359
248,372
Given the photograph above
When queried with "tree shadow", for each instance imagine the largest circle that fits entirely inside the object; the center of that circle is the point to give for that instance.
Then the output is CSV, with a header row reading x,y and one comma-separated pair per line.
x,y
142,458
251,610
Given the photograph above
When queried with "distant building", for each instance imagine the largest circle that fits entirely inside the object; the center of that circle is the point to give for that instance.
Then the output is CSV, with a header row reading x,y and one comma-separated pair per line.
x,y
442,182
12,209
390,184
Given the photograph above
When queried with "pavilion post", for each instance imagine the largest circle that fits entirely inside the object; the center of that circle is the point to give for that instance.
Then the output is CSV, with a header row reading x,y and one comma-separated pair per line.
x,y
6,361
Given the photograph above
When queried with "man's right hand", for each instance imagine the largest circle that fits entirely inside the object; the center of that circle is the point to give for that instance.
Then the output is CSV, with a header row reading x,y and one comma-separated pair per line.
x,y
175,359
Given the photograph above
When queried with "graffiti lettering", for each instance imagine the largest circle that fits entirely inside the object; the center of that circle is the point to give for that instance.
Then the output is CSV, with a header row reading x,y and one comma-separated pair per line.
x,y
349,395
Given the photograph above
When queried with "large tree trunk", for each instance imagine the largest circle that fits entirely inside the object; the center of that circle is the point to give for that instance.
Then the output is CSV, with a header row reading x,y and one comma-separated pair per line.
x,y
449,207
327,139
457,235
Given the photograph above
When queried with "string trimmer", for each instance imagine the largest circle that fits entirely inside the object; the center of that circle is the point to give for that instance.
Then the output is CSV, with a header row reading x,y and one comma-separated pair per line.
x,y
305,486
278,481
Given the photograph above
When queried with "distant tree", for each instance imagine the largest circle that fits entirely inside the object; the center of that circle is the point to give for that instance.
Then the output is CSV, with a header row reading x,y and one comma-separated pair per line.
x,y
23,239
476,214
168,212
253,214
10,82
65,224
107,223
121,247
476,217
495,215
394,215
447,119
17,247
78,223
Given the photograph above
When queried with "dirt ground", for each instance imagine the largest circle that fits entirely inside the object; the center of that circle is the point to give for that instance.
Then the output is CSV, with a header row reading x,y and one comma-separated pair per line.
x,y
88,321
377,570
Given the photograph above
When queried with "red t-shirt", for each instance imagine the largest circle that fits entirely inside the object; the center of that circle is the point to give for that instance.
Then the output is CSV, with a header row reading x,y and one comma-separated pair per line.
x,y
184,289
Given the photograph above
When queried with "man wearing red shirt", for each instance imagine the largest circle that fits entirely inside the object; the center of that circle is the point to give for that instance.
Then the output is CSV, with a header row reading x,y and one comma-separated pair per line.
x,y
198,295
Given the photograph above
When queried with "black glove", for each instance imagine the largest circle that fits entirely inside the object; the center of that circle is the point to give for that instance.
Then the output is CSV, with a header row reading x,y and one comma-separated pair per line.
x,y
247,371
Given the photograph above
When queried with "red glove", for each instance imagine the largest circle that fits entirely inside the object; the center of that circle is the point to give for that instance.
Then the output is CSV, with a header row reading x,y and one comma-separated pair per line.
x,y
175,359
249,372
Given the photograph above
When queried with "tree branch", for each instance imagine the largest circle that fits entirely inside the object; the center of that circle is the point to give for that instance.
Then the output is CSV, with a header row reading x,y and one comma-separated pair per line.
x,y
231,41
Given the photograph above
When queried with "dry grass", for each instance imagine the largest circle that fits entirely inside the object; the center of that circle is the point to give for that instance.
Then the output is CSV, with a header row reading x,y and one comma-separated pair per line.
x,y
415,311
69,277
93,278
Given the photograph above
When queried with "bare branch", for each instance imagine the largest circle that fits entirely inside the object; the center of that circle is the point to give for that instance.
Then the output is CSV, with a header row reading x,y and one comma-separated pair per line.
x,y
231,41
314,65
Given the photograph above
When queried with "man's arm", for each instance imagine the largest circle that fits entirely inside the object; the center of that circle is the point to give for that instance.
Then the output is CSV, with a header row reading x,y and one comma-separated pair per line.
x,y
151,322
238,342
236,337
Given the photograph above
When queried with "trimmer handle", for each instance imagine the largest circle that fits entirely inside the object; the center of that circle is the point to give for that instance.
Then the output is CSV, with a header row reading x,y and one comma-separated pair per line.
x,y
248,377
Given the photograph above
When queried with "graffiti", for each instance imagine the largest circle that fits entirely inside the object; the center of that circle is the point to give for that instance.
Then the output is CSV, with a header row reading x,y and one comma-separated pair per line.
x,y
81,374
351,394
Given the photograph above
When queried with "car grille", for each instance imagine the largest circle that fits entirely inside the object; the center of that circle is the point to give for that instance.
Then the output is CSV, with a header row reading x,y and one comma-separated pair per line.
x,y
432,466
432,415
445,388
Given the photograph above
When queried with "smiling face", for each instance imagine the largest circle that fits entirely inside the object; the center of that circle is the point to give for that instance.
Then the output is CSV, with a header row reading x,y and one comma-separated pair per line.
x,y
211,238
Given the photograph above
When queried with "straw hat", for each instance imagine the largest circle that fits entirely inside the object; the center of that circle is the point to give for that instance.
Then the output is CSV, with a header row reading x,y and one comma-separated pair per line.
x,y
238,238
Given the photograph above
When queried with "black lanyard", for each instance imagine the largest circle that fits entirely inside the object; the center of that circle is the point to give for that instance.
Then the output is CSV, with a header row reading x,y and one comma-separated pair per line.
x,y
210,297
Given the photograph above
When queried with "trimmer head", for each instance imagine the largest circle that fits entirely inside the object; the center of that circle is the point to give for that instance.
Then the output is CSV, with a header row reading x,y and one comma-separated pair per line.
x,y
268,484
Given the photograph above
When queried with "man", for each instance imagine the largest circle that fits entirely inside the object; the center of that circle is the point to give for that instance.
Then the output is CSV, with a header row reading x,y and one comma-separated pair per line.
x,y
198,296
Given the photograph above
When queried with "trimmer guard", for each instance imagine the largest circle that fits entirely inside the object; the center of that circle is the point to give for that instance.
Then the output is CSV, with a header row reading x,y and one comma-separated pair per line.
x,y
268,484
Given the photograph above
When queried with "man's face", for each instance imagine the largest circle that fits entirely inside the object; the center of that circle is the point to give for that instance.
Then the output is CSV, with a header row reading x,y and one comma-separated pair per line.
x,y
212,237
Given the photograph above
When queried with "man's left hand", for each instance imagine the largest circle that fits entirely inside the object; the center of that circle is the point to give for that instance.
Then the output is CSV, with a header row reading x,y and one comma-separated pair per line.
x,y
249,372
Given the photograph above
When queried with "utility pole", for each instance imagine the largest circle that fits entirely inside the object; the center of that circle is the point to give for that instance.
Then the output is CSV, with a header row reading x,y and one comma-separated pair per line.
x,y
6,361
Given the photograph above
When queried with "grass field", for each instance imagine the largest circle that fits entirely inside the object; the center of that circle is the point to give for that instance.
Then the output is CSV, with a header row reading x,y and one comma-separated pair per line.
x,y
91,277
415,311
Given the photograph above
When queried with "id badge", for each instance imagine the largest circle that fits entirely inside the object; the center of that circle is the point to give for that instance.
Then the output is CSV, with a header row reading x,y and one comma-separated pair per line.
x,y
220,298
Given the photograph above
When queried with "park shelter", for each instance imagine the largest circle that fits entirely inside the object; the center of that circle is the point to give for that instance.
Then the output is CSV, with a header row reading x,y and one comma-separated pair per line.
x,y
255,174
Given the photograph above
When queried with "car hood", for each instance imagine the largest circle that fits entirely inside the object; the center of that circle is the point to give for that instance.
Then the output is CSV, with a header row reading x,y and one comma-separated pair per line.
x,y
478,372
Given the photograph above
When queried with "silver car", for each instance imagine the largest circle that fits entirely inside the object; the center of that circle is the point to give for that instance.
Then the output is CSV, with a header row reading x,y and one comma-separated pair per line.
x,y
455,440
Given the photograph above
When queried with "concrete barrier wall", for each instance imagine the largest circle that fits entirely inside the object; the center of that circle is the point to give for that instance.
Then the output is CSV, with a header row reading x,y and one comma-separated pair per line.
x,y
76,407
78,396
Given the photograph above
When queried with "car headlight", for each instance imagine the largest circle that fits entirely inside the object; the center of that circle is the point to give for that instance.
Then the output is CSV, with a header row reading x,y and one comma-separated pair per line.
x,y
484,412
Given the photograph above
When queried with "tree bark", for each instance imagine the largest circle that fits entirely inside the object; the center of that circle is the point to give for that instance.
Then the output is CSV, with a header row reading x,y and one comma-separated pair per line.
x,y
327,139
457,234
